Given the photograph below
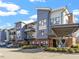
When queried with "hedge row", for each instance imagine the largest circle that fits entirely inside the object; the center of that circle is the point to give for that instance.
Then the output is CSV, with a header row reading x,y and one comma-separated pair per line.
x,y
29,47
67,50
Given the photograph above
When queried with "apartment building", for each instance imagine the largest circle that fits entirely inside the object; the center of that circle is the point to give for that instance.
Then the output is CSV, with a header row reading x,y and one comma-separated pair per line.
x,y
55,27
20,31
25,32
4,36
12,34
31,32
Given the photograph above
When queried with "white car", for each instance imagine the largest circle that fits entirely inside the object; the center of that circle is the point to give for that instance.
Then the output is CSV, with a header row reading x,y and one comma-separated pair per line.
x,y
2,43
9,46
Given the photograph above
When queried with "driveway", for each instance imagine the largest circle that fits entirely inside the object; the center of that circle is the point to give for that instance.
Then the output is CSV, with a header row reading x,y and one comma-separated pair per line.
x,y
10,53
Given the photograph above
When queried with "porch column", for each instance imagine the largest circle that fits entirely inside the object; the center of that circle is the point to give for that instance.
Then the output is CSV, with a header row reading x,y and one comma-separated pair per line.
x,y
74,41
70,41
50,42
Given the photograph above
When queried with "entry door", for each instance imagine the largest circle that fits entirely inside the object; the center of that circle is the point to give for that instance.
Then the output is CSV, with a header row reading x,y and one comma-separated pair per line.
x,y
54,43
61,43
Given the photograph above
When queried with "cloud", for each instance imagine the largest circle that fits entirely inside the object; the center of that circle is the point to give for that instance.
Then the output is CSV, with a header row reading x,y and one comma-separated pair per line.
x,y
76,20
33,17
12,9
7,13
22,11
7,26
9,6
76,12
37,0
28,21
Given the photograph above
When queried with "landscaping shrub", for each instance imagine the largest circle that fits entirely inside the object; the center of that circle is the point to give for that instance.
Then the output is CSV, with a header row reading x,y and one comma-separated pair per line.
x,y
29,47
59,49
76,50
64,49
76,46
51,49
71,50
54,49
47,49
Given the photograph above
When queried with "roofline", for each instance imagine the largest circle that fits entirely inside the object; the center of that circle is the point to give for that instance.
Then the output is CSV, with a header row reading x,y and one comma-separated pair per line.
x,y
43,8
66,25
52,10
31,23
61,8
20,22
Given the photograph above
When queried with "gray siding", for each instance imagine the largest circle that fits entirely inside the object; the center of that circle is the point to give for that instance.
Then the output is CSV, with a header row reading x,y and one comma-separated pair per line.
x,y
41,15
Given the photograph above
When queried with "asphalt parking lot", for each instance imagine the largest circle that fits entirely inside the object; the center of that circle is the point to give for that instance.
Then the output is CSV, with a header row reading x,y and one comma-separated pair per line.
x,y
14,53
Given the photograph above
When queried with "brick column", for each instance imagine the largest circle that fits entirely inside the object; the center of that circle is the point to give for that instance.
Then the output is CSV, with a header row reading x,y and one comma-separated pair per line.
x,y
73,41
69,42
50,42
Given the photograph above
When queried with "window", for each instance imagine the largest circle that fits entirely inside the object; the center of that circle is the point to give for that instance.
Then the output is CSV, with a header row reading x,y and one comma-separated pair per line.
x,y
42,24
42,32
44,20
52,21
39,22
66,21
56,20
18,26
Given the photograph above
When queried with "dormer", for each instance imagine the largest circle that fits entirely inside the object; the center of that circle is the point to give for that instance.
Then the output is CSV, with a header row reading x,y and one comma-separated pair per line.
x,y
61,16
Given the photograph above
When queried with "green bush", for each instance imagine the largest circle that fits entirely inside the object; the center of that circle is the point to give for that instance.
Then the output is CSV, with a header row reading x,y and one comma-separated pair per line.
x,y
29,47
51,49
67,50
47,49
59,49
64,49
71,50
54,49
76,50
76,46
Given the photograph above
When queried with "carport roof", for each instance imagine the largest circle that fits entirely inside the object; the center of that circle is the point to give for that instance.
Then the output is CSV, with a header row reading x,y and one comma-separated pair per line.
x,y
65,29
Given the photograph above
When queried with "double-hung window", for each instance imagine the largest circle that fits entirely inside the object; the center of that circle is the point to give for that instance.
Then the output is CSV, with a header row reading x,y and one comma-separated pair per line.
x,y
55,20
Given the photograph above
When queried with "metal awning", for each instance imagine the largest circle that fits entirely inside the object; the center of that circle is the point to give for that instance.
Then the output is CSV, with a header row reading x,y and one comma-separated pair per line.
x,y
65,29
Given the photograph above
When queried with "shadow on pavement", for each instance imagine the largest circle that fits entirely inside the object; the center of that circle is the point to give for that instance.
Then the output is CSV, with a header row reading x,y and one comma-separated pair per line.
x,y
28,50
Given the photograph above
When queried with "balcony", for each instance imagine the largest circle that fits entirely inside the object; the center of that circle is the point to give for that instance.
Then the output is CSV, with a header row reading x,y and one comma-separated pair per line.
x,y
30,30
30,37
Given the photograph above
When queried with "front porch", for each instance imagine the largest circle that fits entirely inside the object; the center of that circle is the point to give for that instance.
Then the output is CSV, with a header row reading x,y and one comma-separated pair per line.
x,y
61,42
63,35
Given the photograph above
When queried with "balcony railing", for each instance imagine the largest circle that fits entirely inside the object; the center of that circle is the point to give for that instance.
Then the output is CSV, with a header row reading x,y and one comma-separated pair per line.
x,y
30,37
30,30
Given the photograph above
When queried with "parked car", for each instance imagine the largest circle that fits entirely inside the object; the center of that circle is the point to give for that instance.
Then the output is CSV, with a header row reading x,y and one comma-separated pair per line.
x,y
9,46
12,46
2,44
